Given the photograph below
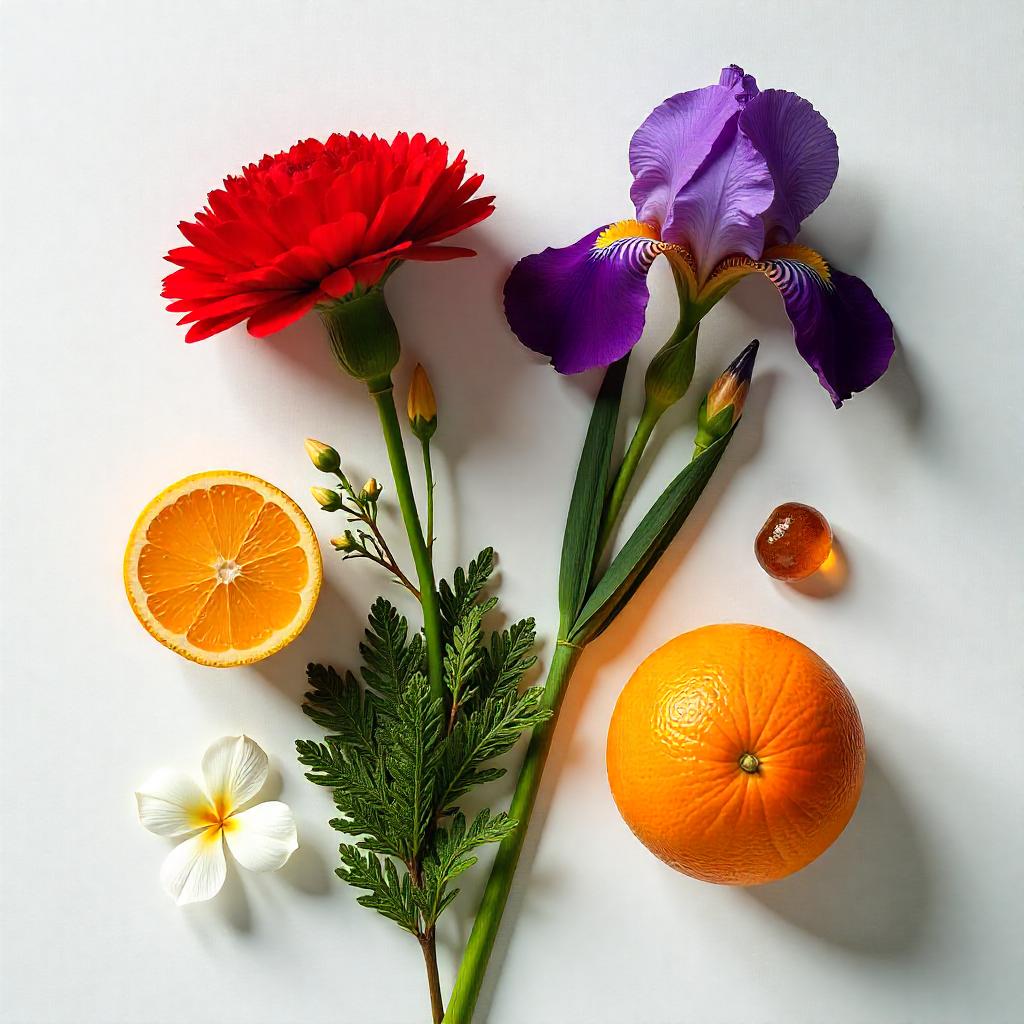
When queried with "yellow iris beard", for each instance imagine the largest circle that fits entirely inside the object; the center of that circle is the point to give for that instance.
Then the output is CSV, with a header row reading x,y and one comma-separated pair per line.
x,y
624,229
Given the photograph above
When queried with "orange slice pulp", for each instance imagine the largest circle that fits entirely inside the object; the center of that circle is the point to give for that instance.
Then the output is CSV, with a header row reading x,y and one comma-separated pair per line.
x,y
223,568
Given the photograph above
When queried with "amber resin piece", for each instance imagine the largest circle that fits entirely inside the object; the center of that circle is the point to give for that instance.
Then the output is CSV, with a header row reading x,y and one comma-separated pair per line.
x,y
794,542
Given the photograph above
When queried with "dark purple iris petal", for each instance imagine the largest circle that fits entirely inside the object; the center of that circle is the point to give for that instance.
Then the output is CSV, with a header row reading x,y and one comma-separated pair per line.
x,y
802,155
841,329
582,307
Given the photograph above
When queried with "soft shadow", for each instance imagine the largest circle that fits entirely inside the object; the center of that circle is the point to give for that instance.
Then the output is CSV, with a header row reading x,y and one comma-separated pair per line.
x,y
231,906
899,387
831,578
870,891
333,633
307,871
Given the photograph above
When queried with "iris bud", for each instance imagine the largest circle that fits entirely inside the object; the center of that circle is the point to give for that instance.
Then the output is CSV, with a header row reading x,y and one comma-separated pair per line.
x,y
422,406
671,370
371,490
723,404
328,500
323,456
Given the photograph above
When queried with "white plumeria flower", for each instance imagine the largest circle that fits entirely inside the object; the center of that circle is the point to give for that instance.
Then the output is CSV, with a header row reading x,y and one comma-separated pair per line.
x,y
260,839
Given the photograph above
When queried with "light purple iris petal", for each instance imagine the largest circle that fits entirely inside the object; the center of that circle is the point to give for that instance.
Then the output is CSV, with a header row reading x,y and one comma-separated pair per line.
x,y
718,212
580,306
734,77
676,138
841,329
802,156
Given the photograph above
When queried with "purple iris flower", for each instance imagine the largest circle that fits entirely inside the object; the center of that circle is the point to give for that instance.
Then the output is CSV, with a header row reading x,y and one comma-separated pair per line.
x,y
722,178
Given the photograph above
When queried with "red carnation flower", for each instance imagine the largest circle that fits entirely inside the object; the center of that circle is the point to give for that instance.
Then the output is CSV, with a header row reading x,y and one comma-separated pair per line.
x,y
316,223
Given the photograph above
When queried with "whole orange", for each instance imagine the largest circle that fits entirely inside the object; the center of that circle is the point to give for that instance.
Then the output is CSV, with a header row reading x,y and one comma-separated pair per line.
x,y
735,754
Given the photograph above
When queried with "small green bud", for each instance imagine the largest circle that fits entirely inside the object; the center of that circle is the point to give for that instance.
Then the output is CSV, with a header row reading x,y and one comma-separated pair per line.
x,y
371,490
671,369
323,456
328,500
345,542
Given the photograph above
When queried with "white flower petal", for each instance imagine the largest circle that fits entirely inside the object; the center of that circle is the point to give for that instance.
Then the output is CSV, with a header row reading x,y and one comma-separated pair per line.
x,y
171,804
263,837
235,769
196,869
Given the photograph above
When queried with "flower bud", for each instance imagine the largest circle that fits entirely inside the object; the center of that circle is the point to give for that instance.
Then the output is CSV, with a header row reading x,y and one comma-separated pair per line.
x,y
345,542
371,490
671,369
723,405
328,500
323,456
422,406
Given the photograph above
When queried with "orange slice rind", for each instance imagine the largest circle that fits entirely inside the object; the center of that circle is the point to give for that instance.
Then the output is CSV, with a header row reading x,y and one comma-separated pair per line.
x,y
223,568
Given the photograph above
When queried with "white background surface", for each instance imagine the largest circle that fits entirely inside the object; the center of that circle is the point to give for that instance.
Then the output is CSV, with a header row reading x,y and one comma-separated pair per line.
x,y
119,117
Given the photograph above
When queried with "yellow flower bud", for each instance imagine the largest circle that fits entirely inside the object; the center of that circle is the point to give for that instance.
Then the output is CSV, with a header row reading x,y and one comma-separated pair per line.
x,y
345,542
371,490
323,456
328,500
422,406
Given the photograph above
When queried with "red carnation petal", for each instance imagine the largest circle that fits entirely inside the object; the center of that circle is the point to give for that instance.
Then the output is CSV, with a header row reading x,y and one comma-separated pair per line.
x,y
203,238
368,274
188,284
339,241
249,240
338,284
243,303
394,214
304,262
281,313
207,328
195,259
458,220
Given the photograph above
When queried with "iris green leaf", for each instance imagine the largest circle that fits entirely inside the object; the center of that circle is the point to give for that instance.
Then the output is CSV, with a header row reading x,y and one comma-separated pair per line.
x,y
588,494
646,545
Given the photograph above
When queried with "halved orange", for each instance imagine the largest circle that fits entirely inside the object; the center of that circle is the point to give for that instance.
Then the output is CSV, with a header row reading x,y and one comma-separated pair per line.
x,y
223,568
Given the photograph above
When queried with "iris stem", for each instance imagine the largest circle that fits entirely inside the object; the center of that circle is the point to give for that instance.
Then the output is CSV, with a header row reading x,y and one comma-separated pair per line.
x,y
488,918
630,461
382,391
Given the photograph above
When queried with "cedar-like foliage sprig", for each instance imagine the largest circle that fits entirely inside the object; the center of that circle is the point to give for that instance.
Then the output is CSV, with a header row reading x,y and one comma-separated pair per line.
x,y
398,760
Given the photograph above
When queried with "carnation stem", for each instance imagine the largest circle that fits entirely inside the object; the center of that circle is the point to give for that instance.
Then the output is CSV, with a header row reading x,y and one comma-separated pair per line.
x,y
382,391
428,943
428,474
488,918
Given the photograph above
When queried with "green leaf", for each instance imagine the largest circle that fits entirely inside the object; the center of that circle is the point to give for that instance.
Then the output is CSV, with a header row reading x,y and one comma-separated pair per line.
x,y
388,894
485,732
391,657
451,856
646,545
412,754
464,656
337,704
509,658
588,495
457,598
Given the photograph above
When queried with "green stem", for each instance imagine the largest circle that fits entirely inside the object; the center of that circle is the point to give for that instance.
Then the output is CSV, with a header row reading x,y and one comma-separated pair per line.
x,y
382,391
668,377
648,421
488,918
428,474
